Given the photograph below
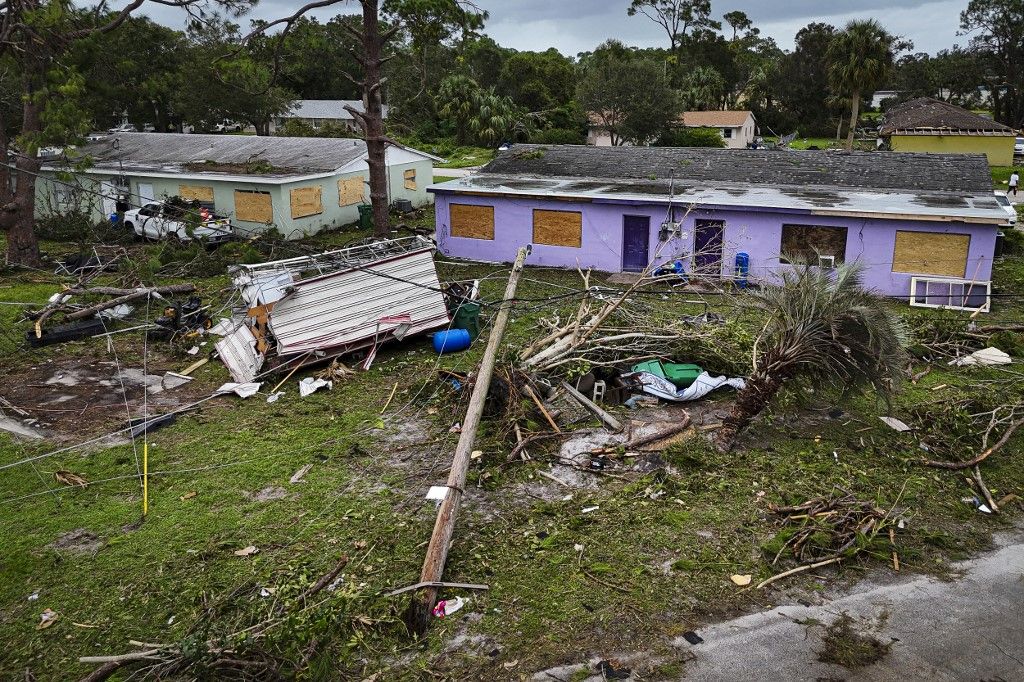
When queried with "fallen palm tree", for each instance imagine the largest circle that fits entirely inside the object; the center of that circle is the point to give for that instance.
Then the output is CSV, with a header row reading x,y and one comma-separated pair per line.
x,y
823,328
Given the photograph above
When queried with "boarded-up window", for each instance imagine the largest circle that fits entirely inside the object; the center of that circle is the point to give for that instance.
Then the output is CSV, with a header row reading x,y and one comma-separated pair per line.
x,y
931,253
806,243
204,195
350,191
558,228
474,222
410,178
306,201
254,207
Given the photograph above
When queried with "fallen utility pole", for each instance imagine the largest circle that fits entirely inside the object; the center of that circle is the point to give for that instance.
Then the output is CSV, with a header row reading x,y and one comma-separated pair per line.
x,y
418,615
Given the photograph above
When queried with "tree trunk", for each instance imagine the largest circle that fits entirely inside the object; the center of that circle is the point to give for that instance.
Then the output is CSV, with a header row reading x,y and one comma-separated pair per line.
x,y
750,402
372,120
854,116
22,245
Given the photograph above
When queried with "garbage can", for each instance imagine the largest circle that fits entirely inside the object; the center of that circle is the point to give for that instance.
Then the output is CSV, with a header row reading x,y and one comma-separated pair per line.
x,y
366,216
467,316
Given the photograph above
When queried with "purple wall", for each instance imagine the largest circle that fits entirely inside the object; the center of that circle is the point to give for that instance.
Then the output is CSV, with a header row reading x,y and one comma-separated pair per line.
x,y
758,233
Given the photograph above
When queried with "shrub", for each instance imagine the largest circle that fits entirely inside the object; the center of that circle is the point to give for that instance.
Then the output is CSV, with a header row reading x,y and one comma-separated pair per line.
x,y
691,137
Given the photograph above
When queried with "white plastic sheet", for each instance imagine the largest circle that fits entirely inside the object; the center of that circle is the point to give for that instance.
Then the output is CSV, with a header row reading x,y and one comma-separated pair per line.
x,y
309,386
985,357
241,390
702,385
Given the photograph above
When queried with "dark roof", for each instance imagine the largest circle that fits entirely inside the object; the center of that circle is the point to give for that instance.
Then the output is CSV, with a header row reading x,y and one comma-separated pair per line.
x,y
886,171
925,115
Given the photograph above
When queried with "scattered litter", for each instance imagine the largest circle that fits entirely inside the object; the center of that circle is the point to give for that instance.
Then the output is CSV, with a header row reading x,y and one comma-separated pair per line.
x,y
336,583
447,607
173,380
241,390
309,386
274,397
47,618
578,547
510,664
188,496
456,428
34,596
247,551
194,350
692,637
984,358
895,424
701,386
977,504
437,492
170,621
300,474
118,312
587,510
741,580
476,454
611,670
638,401
267,591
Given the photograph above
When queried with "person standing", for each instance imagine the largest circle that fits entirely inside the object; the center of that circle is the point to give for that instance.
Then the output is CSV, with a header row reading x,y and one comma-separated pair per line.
x,y
1014,181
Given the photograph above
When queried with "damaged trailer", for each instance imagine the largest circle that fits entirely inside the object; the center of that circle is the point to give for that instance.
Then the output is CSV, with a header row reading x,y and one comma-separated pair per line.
x,y
334,303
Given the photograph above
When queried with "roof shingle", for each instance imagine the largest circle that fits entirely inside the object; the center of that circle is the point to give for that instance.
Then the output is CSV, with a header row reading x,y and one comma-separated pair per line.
x,y
925,115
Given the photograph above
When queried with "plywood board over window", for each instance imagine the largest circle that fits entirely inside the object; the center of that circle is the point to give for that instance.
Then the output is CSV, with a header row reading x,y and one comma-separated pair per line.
x,y
806,243
350,191
558,228
931,253
254,207
200,193
410,178
473,222
306,201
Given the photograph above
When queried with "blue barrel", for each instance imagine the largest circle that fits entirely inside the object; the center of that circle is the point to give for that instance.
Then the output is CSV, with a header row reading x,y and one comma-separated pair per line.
x,y
451,341
742,269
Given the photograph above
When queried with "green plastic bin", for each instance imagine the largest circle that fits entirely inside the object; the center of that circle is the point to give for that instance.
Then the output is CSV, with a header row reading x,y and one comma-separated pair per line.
x,y
467,316
680,374
366,216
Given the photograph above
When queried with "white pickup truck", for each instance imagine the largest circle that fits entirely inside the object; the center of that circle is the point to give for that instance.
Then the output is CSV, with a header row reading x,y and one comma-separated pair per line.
x,y
158,220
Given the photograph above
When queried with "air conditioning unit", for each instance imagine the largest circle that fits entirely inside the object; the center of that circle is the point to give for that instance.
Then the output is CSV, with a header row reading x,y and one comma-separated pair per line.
x,y
827,262
669,230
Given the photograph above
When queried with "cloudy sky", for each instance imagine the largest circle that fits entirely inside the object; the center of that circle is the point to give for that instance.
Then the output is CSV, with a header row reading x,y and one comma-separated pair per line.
x,y
574,26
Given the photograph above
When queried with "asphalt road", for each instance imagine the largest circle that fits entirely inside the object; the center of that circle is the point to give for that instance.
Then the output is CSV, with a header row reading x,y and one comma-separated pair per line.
x,y
969,629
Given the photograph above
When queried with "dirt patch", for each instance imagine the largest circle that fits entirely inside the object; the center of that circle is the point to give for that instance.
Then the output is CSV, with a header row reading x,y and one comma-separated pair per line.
x,y
271,492
78,541
850,648
71,398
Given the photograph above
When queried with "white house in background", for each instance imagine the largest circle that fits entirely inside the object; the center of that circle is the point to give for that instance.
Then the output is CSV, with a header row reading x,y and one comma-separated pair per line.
x,y
880,96
317,112
738,128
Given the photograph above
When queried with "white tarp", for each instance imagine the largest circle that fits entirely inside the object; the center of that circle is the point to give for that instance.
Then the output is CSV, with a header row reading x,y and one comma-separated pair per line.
x,y
985,357
242,390
702,385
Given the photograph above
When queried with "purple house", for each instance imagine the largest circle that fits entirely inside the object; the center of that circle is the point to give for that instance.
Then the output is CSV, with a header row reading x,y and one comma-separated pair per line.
x,y
923,225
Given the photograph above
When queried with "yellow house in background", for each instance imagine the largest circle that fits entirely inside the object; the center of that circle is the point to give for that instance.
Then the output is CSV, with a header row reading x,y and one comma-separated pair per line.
x,y
932,126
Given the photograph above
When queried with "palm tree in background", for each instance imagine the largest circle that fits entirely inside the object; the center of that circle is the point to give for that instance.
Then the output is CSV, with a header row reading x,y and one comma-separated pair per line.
x,y
822,328
860,59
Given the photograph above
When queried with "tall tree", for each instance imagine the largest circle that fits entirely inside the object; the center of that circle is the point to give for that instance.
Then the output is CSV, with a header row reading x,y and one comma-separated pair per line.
x,y
538,81
677,17
860,59
738,21
703,89
998,28
802,84
632,100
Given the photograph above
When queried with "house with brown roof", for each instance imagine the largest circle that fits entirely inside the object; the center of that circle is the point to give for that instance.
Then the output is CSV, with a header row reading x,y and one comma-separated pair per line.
x,y
932,126
738,128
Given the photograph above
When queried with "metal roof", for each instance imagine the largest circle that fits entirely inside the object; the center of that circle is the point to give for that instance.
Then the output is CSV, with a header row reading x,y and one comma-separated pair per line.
x,y
329,109
836,170
978,207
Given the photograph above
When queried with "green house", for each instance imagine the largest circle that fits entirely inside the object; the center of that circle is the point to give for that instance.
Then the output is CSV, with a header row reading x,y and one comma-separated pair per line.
x,y
298,185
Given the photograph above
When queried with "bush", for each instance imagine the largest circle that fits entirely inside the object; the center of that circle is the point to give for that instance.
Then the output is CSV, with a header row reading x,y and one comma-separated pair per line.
x,y
1013,243
691,137
79,228
558,136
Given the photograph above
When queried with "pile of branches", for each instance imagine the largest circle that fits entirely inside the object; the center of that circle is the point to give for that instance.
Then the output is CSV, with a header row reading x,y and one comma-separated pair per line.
x,y
827,530
604,333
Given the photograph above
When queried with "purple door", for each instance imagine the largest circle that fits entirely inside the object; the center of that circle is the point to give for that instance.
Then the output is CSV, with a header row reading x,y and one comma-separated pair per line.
x,y
636,240
707,248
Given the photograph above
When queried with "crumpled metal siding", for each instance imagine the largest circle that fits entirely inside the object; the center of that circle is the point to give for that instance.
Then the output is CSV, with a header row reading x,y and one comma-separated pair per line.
x,y
344,309
238,353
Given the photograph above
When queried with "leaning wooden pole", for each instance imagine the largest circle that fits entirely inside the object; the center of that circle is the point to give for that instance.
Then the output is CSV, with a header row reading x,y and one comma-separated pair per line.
x,y
418,615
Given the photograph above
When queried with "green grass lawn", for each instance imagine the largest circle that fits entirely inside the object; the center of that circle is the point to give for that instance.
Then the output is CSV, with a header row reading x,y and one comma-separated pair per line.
x,y
652,562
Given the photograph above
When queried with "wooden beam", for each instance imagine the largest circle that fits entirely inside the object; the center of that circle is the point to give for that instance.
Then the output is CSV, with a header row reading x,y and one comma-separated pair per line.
x,y
418,615
611,422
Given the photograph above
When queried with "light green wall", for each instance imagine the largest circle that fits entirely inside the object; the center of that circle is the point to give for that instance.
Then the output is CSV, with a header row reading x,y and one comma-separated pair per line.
x,y
999,150
333,214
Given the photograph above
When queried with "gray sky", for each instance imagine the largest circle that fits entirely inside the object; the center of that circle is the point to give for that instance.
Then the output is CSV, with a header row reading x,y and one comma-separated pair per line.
x,y
574,26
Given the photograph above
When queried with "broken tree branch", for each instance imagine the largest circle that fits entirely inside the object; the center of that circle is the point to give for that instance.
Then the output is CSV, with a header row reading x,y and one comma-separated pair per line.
x,y
956,466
